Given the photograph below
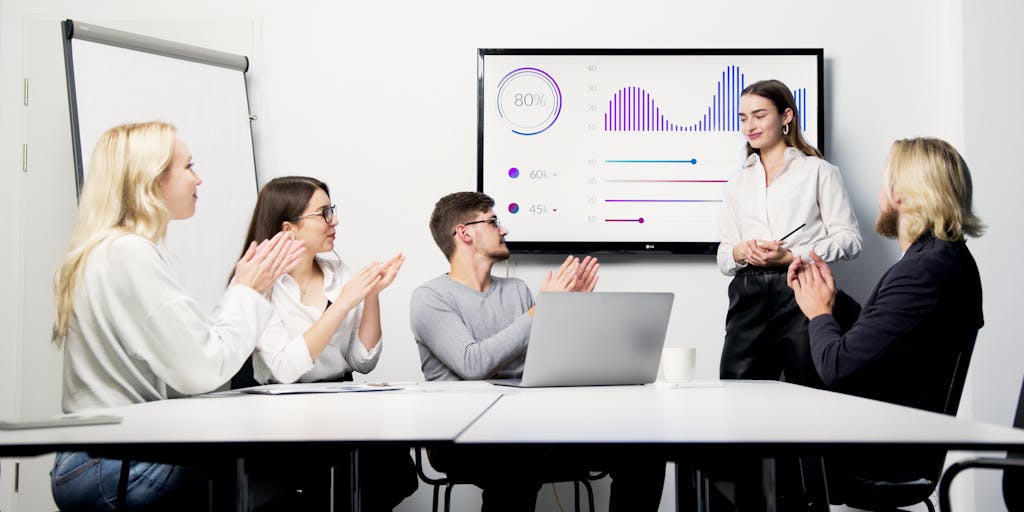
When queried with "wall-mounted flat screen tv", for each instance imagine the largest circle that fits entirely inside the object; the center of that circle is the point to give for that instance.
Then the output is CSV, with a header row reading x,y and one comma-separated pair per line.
x,y
587,150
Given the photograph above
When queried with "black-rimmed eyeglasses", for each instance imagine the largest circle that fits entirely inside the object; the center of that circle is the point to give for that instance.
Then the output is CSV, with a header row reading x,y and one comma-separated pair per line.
x,y
327,214
492,221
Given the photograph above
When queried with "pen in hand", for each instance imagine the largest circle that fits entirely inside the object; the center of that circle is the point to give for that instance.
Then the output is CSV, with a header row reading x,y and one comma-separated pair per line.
x,y
791,232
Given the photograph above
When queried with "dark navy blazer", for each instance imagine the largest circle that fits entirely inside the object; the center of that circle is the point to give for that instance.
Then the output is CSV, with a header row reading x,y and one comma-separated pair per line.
x,y
902,347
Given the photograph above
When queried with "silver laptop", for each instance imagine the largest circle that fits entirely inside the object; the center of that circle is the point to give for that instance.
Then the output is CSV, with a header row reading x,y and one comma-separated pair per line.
x,y
595,339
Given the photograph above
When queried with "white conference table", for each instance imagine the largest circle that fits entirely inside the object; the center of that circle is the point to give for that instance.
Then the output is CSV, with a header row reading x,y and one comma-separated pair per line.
x,y
723,419
746,414
230,428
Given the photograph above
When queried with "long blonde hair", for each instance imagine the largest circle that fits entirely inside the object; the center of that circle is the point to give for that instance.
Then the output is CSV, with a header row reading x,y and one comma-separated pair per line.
x,y
935,189
121,196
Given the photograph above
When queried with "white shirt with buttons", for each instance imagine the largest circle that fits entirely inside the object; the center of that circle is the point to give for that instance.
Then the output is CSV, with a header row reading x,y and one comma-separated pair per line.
x,y
807,190
282,355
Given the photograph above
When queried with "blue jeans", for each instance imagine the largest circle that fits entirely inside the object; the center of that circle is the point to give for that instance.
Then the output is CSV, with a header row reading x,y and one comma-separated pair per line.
x,y
81,483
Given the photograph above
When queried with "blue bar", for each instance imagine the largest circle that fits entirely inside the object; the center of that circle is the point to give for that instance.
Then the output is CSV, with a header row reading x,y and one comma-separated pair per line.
x,y
736,98
720,103
730,115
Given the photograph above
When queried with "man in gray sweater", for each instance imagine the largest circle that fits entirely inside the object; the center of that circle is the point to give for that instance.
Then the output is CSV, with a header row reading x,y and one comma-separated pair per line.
x,y
470,325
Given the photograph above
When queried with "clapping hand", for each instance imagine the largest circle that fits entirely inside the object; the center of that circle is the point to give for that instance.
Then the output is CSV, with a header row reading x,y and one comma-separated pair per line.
x,y
586,275
813,285
389,270
263,263
572,276
360,285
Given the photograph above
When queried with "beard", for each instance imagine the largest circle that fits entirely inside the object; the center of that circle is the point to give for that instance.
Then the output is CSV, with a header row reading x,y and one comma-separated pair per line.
x,y
501,253
888,222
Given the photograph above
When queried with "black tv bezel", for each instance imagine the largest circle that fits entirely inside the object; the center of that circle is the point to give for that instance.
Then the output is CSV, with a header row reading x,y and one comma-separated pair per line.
x,y
638,247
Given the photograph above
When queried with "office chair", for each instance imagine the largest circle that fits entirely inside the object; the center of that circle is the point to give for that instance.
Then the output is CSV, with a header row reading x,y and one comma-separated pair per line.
x,y
245,377
880,495
448,481
1012,467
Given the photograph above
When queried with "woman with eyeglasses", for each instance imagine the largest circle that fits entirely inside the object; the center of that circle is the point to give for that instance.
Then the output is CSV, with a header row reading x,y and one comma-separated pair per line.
x,y
329,315
327,325
129,331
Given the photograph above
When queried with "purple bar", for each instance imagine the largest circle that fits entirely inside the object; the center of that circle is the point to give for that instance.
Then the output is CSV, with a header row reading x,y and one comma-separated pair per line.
x,y
650,113
609,122
618,110
636,108
633,108
629,109
622,108
647,102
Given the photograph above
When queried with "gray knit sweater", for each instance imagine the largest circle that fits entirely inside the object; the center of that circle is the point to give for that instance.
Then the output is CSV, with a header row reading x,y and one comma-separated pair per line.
x,y
465,334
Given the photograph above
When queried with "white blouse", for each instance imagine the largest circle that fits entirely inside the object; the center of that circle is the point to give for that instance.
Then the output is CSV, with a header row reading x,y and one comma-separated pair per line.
x,y
137,336
282,355
807,190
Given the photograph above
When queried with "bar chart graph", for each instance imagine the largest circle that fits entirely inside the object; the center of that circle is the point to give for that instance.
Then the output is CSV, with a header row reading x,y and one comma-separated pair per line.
x,y
634,109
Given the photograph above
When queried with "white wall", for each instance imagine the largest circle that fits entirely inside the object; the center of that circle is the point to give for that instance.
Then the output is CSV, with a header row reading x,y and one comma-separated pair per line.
x,y
379,100
10,258
993,106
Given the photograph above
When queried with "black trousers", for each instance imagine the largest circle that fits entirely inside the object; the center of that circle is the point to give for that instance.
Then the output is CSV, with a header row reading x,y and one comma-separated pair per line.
x,y
511,476
766,338
765,331
387,476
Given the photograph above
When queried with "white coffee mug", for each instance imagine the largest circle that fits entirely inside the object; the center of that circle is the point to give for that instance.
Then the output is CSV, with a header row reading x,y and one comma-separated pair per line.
x,y
678,363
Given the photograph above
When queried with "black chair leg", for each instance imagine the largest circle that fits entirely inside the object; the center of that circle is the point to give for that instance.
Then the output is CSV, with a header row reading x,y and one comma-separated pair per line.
x,y
448,498
590,495
814,483
437,492
122,486
576,495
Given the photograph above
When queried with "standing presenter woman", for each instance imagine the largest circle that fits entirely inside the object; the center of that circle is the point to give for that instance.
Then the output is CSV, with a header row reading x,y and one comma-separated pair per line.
x,y
784,188
129,330
785,201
